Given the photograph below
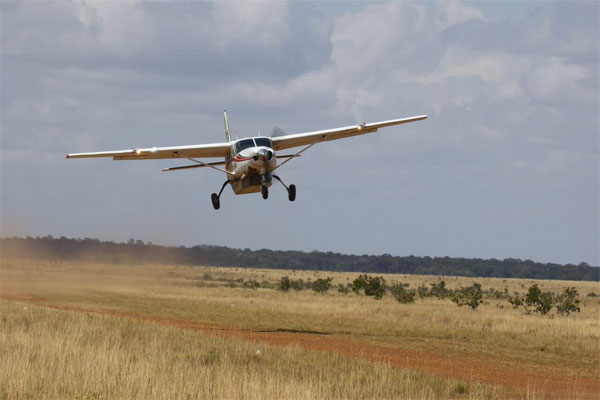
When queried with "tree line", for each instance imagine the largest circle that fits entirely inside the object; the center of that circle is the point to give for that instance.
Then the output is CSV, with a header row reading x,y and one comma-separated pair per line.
x,y
138,252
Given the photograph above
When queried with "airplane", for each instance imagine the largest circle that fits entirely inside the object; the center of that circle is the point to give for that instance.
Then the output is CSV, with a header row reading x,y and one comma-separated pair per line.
x,y
250,162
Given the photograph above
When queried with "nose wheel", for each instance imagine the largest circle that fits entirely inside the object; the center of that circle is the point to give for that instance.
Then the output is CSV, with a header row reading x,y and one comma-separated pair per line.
x,y
291,189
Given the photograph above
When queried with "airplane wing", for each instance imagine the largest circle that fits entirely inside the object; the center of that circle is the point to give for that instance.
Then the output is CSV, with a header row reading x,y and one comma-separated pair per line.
x,y
308,138
192,151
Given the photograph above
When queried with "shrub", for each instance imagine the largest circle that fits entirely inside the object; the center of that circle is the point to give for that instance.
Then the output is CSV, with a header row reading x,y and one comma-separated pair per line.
x,y
568,301
438,290
422,291
297,284
402,294
284,284
372,286
541,301
322,285
343,289
359,284
251,284
470,296
517,300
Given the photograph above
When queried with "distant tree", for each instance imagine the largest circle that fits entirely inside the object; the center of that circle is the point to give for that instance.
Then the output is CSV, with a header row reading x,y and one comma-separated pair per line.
x,y
568,301
322,285
470,296
402,294
438,290
371,285
284,284
517,300
297,284
542,302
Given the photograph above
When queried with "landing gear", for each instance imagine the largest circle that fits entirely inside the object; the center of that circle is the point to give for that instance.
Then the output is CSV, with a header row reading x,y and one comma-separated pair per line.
x,y
291,189
215,198
265,192
215,201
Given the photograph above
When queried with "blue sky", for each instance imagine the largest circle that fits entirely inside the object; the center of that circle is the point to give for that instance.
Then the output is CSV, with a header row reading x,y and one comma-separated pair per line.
x,y
507,165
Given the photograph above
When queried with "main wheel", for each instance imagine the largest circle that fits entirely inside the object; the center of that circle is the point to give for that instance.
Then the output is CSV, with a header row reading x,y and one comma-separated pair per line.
x,y
265,192
215,201
292,193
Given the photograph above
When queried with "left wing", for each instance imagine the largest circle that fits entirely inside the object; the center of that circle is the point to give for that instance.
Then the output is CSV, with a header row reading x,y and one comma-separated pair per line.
x,y
308,138
192,151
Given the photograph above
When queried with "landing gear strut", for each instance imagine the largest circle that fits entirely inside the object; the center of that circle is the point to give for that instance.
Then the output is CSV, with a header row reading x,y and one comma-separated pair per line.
x,y
216,197
291,189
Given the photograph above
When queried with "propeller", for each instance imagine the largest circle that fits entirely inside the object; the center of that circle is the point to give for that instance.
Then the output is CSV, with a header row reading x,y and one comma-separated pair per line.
x,y
277,131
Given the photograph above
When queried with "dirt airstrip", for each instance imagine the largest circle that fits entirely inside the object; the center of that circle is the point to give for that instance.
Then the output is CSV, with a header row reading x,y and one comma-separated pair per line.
x,y
517,381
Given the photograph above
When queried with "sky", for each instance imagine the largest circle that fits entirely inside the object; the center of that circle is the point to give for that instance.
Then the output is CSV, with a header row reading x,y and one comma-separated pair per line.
x,y
506,166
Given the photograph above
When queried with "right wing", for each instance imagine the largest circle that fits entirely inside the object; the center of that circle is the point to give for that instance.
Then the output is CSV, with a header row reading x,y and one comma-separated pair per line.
x,y
303,139
192,151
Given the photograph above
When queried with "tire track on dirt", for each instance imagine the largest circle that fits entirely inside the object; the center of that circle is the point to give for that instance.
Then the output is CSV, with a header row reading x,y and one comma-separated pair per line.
x,y
520,383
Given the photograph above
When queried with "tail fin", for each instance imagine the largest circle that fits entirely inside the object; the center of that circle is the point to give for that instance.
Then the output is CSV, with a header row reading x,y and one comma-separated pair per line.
x,y
227,135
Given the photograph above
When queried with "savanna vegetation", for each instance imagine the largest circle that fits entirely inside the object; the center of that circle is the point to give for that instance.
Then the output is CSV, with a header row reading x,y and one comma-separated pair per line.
x,y
138,252
94,330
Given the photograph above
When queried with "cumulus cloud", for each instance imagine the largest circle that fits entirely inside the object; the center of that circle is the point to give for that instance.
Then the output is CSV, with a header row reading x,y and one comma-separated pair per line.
x,y
513,105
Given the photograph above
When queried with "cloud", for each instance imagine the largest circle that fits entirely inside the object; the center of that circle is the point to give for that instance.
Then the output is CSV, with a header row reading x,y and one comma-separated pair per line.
x,y
511,138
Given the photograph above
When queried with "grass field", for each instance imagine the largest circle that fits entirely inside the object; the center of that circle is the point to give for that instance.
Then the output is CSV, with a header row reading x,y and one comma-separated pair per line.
x,y
76,330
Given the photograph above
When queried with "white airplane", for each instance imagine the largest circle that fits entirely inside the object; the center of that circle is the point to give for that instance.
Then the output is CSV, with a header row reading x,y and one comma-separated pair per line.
x,y
249,162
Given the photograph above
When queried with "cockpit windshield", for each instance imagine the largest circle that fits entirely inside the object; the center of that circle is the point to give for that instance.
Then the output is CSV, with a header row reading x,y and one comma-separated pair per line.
x,y
246,143
243,144
263,141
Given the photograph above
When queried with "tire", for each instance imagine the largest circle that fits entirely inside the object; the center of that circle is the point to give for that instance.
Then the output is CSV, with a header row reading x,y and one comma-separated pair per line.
x,y
265,192
292,193
215,201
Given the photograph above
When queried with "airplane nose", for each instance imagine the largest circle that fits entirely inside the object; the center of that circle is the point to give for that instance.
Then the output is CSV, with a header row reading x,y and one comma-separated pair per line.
x,y
264,154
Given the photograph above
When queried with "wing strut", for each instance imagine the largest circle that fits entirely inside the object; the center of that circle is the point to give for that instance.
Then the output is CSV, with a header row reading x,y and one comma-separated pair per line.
x,y
202,164
300,152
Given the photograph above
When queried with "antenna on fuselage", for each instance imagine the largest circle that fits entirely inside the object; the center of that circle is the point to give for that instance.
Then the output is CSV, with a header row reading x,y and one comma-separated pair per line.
x,y
227,134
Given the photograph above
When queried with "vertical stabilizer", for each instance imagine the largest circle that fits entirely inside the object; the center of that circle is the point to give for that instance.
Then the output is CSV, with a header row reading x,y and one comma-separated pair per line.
x,y
227,135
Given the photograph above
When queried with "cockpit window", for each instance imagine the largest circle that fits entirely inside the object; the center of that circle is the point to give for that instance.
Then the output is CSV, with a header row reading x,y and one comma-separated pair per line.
x,y
243,144
263,141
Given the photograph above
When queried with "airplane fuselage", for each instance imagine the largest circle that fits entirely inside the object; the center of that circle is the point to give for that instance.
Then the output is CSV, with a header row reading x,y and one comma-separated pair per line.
x,y
251,162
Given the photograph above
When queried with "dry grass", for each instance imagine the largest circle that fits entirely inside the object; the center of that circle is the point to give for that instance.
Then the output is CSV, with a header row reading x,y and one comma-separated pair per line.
x,y
58,354
568,346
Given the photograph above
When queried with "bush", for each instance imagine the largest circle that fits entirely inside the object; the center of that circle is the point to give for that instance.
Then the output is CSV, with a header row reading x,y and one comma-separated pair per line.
x,y
251,284
402,294
541,301
439,290
322,285
470,296
568,301
517,300
284,284
422,291
297,284
343,289
372,286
